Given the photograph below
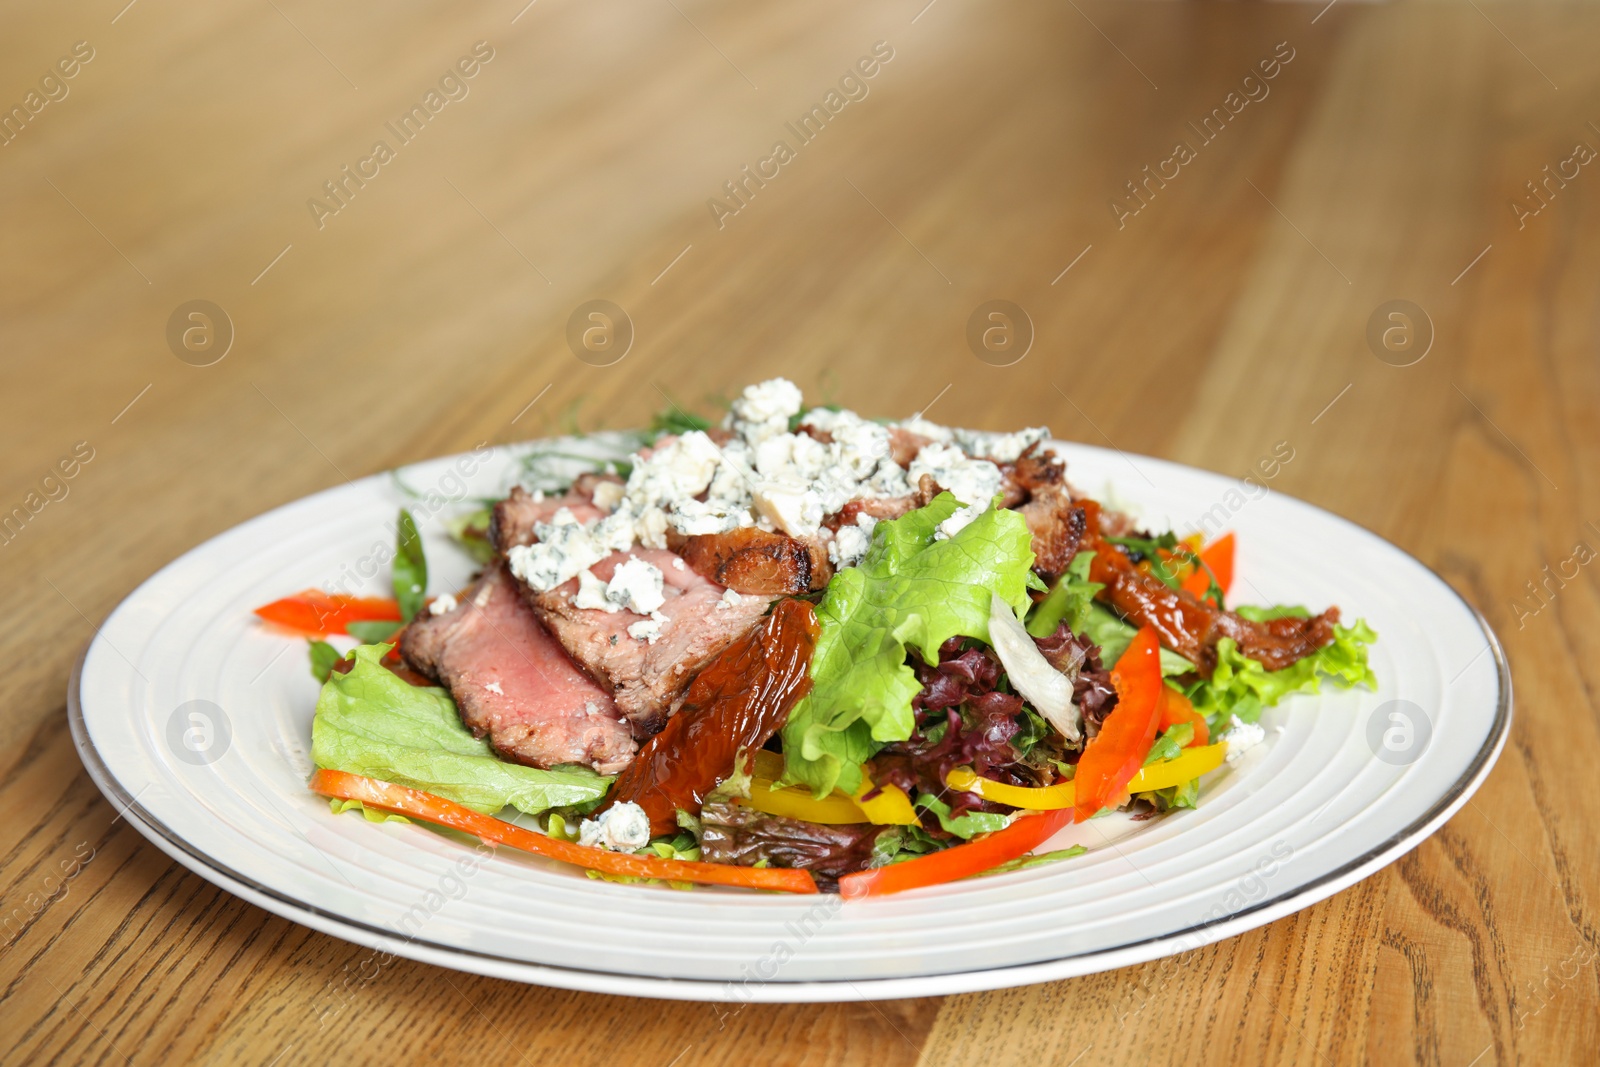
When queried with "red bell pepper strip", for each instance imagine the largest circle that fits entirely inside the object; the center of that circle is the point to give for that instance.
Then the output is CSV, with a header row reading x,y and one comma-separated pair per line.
x,y
1117,752
1020,838
317,614
1175,709
1218,558
416,804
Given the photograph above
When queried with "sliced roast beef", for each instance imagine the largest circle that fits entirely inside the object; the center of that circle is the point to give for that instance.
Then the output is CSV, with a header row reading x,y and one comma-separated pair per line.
x,y
513,682
755,561
514,517
646,678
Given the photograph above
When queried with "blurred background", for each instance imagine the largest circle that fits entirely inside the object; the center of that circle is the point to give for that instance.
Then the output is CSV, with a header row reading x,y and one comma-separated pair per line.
x,y
253,250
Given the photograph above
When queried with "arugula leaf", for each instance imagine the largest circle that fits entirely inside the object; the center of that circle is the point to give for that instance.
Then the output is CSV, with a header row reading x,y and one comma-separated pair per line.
x,y
370,722
1034,860
323,657
1068,600
410,572
372,632
471,532
910,592
675,420
1157,551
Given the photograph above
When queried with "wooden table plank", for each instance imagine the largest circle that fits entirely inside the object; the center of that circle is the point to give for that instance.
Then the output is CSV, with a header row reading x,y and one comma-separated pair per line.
x,y
1226,316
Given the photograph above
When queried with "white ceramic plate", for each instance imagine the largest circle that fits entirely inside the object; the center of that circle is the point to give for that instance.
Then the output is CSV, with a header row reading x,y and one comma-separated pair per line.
x,y
1340,788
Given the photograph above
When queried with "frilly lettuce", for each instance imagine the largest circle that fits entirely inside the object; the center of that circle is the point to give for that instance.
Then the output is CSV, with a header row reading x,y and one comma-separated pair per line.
x,y
910,592
1241,686
370,722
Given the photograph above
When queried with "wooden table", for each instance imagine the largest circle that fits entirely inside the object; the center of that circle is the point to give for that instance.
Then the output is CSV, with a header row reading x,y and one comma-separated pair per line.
x,y
985,158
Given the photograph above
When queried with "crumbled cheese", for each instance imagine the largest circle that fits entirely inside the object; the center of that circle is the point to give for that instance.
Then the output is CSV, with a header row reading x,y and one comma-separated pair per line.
x,y
764,409
680,469
957,522
923,428
795,454
707,517
607,495
648,630
790,505
563,549
622,827
636,585
442,604
729,599
494,687
971,481
1001,447
566,546
678,564
592,594
847,547
860,445
650,528
1242,737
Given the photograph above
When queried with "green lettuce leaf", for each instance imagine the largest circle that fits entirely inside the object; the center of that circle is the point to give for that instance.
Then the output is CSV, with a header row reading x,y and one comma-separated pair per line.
x,y
370,722
965,824
1171,744
1242,687
910,592
1068,601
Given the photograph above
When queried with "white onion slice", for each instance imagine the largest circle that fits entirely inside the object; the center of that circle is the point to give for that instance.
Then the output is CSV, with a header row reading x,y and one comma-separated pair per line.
x,y
1032,676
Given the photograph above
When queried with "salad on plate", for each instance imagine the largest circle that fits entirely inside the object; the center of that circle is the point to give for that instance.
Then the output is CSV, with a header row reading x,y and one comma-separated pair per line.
x,y
799,650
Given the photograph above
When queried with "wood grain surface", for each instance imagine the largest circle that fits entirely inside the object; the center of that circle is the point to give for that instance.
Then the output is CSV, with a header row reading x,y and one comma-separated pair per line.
x,y
1383,161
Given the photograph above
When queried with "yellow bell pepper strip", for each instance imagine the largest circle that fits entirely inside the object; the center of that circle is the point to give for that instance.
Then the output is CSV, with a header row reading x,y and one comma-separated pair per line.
x,y
1191,764
891,807
401,800
1161,774
1033,798
1024,835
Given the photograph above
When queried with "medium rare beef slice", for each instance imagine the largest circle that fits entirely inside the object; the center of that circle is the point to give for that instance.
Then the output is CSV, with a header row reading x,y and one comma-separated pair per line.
x,y
646,678
513,519
512,681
